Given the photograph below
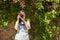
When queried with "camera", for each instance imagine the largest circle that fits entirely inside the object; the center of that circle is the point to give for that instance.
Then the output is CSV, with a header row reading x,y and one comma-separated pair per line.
x,y
21,16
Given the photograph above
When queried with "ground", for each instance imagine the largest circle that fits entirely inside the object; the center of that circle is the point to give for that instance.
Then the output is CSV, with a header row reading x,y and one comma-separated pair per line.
x,y
8,33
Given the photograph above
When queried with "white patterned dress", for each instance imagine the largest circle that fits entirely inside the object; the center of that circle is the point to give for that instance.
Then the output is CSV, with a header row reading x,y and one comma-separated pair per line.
x,y
22,33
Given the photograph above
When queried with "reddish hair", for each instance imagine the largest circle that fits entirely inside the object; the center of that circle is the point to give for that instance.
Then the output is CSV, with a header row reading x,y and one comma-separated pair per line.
x,y
23,11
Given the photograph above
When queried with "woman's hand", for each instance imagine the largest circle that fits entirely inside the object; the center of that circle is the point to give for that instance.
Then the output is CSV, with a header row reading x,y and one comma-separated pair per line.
x,y
19,17
22,19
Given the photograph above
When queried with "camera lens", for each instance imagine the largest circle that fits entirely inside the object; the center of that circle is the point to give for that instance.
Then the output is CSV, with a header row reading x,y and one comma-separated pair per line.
x,y
21,16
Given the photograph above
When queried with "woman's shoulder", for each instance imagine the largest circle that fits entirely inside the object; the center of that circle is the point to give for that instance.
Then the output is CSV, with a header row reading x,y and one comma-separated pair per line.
x,y
27,19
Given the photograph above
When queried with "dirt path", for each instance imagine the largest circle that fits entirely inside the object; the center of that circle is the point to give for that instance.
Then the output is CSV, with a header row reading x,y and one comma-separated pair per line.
x,y
8,32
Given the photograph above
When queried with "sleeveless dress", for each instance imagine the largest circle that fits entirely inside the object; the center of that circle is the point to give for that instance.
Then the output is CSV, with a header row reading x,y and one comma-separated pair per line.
x,y
22,33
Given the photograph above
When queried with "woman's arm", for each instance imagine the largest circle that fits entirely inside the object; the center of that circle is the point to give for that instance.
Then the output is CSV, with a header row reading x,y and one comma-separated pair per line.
x,y
16,25
27,24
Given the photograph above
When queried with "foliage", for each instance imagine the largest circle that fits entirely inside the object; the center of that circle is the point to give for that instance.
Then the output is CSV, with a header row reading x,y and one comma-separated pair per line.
x,y
45,19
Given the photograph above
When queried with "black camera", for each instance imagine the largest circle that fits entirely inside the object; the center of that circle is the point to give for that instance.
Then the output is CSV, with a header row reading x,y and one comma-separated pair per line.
x,y
21,16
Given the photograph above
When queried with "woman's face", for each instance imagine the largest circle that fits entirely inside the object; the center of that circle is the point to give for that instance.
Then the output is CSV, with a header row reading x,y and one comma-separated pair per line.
x,y
23,14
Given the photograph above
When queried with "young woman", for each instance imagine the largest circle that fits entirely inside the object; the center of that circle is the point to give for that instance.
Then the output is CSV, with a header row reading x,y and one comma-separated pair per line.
x,y
22,26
